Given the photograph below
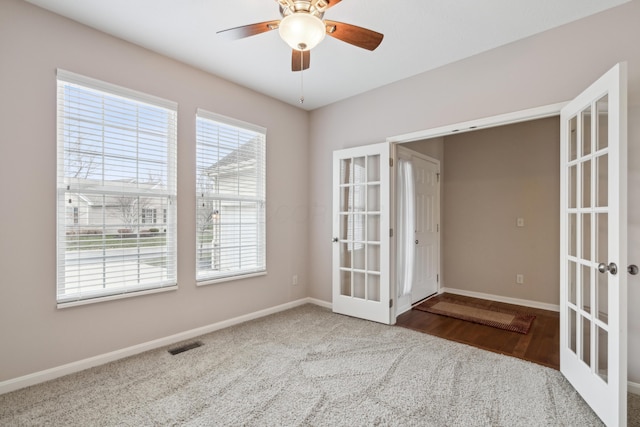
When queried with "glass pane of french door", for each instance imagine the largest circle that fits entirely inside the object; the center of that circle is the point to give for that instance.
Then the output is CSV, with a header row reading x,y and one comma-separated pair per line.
x,y
587,220
359,236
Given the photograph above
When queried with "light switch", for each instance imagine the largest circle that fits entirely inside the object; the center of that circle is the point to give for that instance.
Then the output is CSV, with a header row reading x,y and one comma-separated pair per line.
x,y
520,222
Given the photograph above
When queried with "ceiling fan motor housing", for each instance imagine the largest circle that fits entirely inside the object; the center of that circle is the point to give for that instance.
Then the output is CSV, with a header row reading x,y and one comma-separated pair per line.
x,y
312,7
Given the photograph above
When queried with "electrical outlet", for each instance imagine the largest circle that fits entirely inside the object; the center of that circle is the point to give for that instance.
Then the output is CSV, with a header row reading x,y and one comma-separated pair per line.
x,y
294,280
519,222
520,279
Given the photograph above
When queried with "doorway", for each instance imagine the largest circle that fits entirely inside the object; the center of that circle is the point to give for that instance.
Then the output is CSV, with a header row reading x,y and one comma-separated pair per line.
x,y
499,223
500,190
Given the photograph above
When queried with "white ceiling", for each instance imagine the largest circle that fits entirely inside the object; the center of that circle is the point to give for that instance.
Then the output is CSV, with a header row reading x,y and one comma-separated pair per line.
x,y
420,35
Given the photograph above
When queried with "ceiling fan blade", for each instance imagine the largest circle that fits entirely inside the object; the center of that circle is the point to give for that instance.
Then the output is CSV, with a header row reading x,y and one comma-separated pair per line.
x,y
357,36
300,60
249,30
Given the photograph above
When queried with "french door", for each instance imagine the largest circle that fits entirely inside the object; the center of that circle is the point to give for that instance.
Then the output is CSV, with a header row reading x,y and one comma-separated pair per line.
x,y
593,245
361,209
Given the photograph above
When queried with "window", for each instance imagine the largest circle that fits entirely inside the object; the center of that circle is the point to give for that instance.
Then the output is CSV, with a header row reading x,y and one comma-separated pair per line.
x,y
230,197
148,216
116,168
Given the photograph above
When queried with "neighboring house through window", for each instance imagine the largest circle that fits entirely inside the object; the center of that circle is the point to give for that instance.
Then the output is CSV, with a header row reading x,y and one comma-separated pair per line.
x,y
148,216
230,198
116,169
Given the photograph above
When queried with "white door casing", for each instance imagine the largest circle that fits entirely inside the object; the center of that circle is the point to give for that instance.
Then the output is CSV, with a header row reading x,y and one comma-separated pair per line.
x,y
361,241
593,237
427,233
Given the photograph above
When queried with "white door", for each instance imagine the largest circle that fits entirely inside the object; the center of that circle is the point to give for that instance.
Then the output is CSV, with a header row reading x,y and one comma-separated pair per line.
x,y
361,200
427,239
593,245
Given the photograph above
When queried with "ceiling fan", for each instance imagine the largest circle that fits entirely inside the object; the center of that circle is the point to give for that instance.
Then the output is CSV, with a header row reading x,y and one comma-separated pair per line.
x,y
302,27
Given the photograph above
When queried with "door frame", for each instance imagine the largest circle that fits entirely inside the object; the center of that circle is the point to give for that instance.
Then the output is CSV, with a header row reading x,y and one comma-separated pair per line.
x,y
409,152
545,111
529,114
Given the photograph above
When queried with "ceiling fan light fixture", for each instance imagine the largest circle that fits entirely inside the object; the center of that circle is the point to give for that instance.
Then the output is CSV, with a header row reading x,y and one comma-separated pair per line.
x,y
302,31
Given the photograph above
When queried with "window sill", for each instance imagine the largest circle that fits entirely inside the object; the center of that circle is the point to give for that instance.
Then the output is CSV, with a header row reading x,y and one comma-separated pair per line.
x,y
116,297
206,282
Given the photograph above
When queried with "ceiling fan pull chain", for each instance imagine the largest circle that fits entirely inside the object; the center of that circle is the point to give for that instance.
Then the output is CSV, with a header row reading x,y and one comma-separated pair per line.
x,y
301,77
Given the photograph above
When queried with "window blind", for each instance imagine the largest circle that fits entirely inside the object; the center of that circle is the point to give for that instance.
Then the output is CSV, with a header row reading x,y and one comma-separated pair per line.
x,y
116,203
230,197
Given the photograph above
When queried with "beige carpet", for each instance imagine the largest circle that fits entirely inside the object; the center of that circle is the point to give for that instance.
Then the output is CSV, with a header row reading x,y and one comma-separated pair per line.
x,y
308,367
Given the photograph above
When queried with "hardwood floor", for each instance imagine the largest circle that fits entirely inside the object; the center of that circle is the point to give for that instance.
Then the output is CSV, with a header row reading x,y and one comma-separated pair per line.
x,y
541,345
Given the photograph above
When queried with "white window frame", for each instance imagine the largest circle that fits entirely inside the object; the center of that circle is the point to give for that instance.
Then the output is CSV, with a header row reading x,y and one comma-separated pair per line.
x,y
219,272
79,289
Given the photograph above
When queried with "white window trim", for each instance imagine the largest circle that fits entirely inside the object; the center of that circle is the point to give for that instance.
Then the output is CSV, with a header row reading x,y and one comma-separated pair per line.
x,y
206,282
230,121
114,89
114,297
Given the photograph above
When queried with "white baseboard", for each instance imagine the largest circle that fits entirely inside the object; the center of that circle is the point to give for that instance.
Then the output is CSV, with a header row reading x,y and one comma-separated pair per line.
x,y
507,300
81,365
320,303
633,387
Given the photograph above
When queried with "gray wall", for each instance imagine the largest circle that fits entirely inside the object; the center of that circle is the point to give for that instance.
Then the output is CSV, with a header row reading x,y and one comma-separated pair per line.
x,y
433,147
495,176
544,69
34,334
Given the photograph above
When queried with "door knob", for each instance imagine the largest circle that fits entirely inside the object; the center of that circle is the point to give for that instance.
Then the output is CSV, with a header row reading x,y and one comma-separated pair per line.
x,y
611,268
417,242
632,269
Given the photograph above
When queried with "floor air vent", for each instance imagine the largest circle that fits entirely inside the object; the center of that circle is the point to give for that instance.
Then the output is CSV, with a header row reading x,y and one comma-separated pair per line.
x,y
185,347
